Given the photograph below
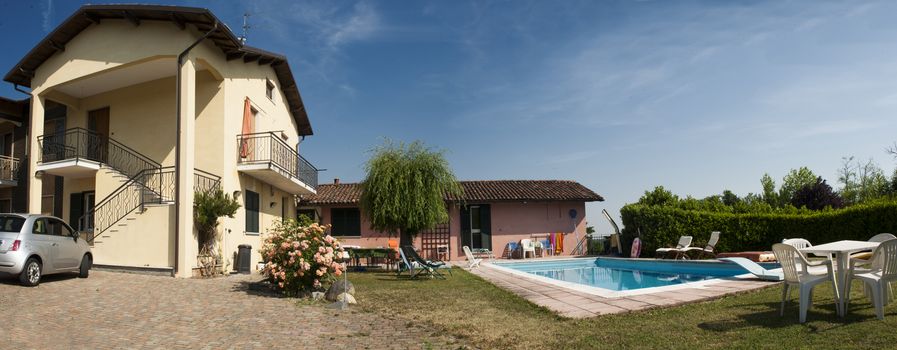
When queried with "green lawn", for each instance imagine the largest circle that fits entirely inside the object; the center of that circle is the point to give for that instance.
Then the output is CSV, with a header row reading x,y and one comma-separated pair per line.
x,y
488,317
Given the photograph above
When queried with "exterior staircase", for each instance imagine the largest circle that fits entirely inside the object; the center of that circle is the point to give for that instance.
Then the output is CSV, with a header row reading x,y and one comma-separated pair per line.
x,y
150,187
140,177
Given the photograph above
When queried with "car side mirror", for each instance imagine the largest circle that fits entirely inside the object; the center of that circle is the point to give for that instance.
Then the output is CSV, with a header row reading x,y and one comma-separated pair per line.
x,y
76,235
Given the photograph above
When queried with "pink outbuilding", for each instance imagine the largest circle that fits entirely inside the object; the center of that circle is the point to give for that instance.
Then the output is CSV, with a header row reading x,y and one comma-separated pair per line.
x,y
491,214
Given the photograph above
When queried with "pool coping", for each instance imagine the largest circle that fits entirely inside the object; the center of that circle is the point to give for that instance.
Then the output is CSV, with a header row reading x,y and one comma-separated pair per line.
x,y
607,293
580,303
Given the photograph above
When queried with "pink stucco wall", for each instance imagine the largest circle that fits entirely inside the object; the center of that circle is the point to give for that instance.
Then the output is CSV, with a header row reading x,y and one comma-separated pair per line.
x,y
510,222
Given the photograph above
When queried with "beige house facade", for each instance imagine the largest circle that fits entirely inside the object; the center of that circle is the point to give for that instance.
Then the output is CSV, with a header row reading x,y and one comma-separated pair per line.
x,y
134,108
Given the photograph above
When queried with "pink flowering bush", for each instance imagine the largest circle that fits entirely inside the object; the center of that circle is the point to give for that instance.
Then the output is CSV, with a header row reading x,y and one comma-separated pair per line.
x,y
300,258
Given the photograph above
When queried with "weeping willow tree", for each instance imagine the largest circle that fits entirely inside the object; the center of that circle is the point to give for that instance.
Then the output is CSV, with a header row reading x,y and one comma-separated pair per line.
x,y
405,189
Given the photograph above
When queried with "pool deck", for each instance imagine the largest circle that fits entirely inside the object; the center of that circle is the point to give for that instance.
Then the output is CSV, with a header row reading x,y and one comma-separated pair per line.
x,y
571,303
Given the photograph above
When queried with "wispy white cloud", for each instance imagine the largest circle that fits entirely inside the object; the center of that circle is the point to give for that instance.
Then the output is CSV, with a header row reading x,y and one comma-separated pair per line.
x,y
323,31
724,63
321,24
47,14
361,24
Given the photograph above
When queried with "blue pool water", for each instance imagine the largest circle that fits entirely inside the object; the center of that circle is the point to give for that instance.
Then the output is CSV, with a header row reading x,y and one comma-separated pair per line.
x,y
626,274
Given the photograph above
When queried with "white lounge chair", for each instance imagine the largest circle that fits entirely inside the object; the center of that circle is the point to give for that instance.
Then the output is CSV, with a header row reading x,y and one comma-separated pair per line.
x,y
472,262
707,250
877,277
684,242
794,267
756,269
527,245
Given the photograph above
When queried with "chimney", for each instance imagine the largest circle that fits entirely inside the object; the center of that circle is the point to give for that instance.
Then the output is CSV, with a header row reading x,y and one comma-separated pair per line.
x,y
336,181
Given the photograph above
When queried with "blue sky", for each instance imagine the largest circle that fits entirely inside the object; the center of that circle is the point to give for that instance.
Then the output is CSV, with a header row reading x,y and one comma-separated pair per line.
x,y
619,95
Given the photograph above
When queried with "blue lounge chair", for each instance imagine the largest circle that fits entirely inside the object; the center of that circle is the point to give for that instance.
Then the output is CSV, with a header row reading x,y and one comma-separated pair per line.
x,y
404,265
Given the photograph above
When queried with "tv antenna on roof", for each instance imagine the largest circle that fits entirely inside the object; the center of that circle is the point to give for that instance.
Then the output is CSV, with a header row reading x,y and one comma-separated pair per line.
x,y
246,27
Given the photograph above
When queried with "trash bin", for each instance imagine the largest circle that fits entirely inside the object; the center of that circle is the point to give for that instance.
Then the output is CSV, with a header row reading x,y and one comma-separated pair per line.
x,y
244,258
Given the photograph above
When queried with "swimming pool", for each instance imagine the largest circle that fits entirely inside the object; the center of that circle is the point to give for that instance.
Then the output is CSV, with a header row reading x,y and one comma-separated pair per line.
x,y
617,274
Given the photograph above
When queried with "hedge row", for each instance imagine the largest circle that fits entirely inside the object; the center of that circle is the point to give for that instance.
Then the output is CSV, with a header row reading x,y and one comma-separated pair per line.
x,y
661,226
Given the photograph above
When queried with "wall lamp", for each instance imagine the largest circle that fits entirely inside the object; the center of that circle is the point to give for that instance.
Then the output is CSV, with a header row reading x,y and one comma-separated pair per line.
x,y
237,194
39,174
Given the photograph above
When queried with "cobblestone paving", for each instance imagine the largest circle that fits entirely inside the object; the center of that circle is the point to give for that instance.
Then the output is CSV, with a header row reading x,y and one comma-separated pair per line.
x,y
113,310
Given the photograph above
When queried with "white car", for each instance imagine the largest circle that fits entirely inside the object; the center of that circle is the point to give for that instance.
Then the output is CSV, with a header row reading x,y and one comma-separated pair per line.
x,y
35,245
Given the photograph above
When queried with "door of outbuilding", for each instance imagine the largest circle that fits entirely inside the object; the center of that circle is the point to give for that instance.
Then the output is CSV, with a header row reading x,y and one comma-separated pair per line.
x,y
476,226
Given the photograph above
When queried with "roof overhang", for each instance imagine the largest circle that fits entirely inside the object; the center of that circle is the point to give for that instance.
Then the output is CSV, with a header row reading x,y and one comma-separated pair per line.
x,y
13,111
202,19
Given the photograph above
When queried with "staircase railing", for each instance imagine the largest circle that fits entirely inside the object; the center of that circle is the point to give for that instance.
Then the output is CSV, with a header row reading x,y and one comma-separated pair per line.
x,y
151,186
205,181
80,143
148,186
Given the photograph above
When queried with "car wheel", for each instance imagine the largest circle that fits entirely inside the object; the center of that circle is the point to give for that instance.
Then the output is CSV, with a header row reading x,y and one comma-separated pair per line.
x,y
31,273
86,261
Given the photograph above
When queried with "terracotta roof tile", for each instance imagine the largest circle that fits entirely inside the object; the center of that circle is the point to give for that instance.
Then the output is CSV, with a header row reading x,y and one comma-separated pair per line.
x,y
482,190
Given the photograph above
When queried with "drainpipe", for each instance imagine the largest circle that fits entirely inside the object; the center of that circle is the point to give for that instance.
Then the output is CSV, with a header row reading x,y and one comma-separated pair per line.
x,y
177,149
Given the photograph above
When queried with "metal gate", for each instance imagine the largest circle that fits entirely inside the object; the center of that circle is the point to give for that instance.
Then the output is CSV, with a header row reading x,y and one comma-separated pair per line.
x,y
436,241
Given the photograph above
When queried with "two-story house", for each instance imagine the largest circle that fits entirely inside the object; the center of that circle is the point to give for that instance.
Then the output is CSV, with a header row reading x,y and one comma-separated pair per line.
x,y
135,107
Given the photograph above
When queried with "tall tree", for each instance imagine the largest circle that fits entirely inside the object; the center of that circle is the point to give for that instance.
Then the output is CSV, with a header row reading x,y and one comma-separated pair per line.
x,y
795,180
659,196
405,189
817,196
769,191
872,181
847,176
730,198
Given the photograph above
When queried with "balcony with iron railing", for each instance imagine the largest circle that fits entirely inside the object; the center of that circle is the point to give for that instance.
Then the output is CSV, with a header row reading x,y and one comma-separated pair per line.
x,y
78,152
267,157
9,171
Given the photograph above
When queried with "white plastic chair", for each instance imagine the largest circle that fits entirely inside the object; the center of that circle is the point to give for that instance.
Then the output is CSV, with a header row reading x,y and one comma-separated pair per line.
x,y
794,267
865,257
881,237
472,262
684,242
877,278
537,245
798,243
527,245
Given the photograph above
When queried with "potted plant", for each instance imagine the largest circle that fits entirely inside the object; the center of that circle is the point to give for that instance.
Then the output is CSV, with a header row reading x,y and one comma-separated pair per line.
x,y
208,207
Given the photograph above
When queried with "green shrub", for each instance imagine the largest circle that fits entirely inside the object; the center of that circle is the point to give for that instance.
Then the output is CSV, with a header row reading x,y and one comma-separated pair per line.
x,y
661,226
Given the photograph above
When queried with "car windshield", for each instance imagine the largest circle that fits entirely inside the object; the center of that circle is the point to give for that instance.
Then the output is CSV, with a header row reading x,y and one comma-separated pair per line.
x,y
11,223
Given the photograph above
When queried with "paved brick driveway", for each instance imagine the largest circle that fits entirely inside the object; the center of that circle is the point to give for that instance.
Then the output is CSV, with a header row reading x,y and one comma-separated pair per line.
x,y
118,310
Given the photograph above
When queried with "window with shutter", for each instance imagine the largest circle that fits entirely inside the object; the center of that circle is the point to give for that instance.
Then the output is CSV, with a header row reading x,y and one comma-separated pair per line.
x,y
252,211
345,222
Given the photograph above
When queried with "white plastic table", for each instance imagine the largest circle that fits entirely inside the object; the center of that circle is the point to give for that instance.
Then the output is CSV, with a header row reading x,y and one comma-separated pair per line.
x,y
840,251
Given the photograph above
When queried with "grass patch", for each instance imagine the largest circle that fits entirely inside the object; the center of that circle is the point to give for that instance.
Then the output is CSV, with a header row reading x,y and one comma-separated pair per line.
x,y
488,317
